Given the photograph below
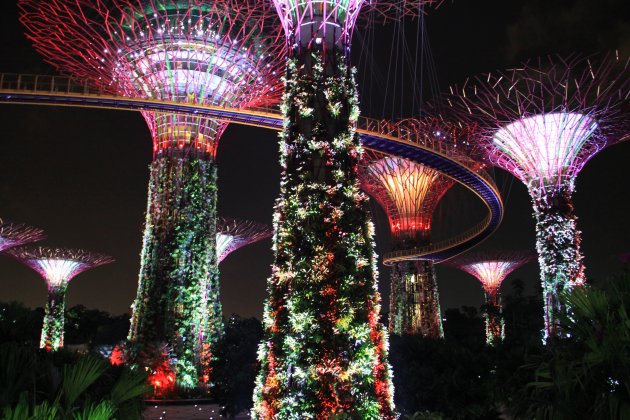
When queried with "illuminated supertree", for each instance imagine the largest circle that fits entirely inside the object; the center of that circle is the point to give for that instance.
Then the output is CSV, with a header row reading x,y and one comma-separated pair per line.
x,y
233,234
324,352
409,193
491,268
189,51
57,266
542,122
12,234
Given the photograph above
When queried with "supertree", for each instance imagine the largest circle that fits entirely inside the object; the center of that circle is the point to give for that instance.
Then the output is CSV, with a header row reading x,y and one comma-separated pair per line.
x,y
13,234
542,122
409,193
324,351
190,51
57,266
491,268
233,234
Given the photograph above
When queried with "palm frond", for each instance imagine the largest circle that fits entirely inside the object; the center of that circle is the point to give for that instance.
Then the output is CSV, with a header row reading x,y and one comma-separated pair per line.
x,y
78,376
102,411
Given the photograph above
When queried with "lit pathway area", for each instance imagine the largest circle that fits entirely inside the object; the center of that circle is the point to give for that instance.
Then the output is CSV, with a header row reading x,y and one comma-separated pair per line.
x,y
185,412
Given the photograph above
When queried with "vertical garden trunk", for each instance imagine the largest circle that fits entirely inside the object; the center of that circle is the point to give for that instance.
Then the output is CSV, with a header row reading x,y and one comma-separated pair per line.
x,y
495,326
558,246
324,351
54,315
177,310
414,300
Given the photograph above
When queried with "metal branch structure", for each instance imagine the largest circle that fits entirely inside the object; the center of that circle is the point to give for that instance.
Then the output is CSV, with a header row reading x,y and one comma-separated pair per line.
x,y
14,234
233,234
542,122
221,53
324,352
409,193
57,266
491,268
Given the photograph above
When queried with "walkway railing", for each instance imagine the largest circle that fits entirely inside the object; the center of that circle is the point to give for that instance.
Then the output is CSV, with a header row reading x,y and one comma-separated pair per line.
x,y
44,83
48,89
436,248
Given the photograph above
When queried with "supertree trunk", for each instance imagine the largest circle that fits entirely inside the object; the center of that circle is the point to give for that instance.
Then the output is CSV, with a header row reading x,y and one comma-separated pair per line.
x,y
324,353
414,300
558,246
495,326
177,302
53,328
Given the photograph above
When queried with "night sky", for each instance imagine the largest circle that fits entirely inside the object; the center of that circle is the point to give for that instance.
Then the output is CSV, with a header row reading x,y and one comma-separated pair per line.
x,y
82,174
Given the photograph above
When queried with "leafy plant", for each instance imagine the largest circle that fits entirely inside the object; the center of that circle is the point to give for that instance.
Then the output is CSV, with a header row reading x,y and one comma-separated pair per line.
x,y
44,386
586,374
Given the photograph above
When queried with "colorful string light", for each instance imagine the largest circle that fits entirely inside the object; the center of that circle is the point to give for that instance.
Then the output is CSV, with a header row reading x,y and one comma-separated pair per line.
x,y
542,121
189,51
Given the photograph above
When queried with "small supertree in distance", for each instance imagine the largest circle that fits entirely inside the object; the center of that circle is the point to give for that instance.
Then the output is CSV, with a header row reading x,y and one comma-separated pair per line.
x,y
324,352
220,52
491,268
542,122
14,234
409,193
233,234
57,266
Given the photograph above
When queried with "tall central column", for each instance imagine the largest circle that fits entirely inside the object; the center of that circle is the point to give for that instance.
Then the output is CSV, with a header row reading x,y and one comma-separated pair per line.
x,y
324,351
558,244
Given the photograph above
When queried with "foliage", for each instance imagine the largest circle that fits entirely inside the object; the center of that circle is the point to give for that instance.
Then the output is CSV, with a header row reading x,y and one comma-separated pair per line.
x,y
587,373
460,377
234,364
40,385
82,325
17,372
19,323
441,376
54,318
95,327
324,352
177,303
465,327
414,302
424,415
558,245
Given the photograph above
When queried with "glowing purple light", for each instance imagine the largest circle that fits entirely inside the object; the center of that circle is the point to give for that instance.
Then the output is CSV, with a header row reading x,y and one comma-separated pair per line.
x,y
58,266
233,234
12,235
330,20
546,146
57,272
491,268
191,51
491,273
223,243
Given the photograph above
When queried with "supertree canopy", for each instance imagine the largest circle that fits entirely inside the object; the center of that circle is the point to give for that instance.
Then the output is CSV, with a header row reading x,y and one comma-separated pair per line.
x,y
491,268
409,193
13,234
57,266
190,51
233,234
542,122
324,352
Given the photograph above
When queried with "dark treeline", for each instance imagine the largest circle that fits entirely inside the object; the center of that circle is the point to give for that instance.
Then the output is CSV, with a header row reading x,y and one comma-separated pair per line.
x,y
83,326
586,375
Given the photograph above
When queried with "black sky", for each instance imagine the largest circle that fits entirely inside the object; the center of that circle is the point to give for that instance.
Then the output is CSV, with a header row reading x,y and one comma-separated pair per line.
x,y
82,174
